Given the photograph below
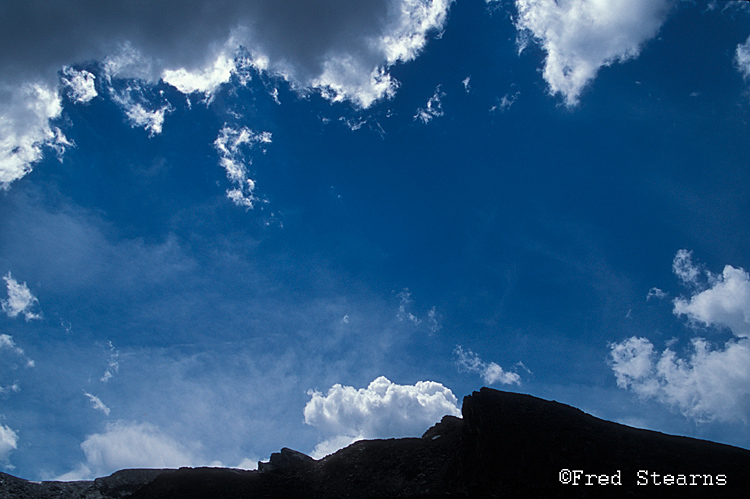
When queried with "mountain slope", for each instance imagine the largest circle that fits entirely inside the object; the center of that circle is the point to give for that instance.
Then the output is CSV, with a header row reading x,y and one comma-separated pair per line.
x,y
506,445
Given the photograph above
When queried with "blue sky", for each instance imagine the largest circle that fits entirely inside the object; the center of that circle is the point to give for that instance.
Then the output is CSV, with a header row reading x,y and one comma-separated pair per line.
x,y
228,229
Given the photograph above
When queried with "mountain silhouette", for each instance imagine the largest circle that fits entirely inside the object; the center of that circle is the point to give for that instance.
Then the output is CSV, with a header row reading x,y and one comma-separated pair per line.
x,y
506,445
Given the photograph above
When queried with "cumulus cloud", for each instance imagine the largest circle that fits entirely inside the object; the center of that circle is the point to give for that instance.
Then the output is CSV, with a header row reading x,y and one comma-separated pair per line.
x,y
433,109
742,58
129,445
725,304
341,48
25,130
581,36
382,410
8,442
712,382
230,144
20,300
491,373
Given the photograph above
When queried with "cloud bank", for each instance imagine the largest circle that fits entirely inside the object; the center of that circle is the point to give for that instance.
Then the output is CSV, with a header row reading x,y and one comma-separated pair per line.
x,y
382,410
712,382
581,36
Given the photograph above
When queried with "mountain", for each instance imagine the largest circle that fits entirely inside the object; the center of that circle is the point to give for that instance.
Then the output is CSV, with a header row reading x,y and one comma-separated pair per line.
x,y
506,445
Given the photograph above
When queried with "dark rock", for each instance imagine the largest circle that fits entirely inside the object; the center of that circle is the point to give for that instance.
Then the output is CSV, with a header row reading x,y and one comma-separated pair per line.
x,y
287,459
506,445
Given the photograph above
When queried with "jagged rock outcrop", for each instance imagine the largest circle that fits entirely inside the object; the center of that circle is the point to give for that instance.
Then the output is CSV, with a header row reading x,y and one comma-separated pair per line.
x,y
506,445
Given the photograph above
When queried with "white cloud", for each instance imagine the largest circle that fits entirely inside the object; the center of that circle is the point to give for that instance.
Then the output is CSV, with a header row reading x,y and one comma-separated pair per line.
x,y
491,373
505,103
20,300
205,80
230,144
8,442
138,109
725,304
405,301
97,403
581,36
25,111
382,410
361,76
151,121
113,365
79,84
11,388
656,293
433,109
343,49
683,267
247,464
466,83
129,445
713,382
6,341
742,58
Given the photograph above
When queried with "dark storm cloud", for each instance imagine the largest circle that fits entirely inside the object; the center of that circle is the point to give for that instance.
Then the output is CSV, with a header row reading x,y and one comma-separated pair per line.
x,y
340,47
39,36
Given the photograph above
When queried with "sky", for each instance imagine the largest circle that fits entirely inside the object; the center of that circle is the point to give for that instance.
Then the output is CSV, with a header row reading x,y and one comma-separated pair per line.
x,y
230,227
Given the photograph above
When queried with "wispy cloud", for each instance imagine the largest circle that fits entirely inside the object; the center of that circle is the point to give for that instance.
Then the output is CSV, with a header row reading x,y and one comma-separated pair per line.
x,y
505,102
113,365
656,293
683,268
97,403
404,304
6,341
405,313
433,109
230,144
491,373
712,382
20,300
140,111
383,409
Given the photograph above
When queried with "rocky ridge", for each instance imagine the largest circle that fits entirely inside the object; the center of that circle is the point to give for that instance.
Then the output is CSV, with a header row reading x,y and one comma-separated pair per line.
x,y
506,445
